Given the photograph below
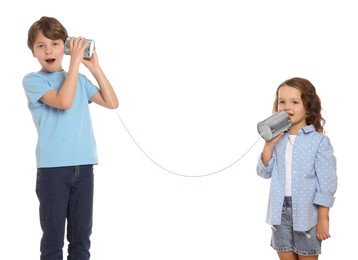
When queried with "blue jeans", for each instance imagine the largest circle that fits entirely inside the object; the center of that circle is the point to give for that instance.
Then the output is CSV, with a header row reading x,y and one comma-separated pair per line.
x,y
65,193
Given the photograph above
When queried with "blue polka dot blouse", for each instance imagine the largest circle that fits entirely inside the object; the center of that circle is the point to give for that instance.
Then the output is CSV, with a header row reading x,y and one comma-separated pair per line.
x,y
314,178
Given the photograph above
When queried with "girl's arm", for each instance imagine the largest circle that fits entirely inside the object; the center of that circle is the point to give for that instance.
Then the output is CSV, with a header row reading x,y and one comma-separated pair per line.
x,y
325,167
323,223
268,149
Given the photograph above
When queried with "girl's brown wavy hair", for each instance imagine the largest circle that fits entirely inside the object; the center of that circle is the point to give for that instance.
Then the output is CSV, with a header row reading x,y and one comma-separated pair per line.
x,y
310,99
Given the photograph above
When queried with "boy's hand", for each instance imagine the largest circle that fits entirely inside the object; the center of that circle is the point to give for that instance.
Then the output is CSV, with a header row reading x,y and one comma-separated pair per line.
x,y
91,63
77,49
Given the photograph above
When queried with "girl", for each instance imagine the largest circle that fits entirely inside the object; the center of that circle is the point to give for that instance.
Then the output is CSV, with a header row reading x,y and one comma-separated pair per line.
x,y
302,168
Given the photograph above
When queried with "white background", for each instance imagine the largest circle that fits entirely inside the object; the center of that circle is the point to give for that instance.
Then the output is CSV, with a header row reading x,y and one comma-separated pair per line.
x,y
193,79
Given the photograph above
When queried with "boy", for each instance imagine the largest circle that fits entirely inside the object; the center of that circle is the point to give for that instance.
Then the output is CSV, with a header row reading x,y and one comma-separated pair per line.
x,y
66,147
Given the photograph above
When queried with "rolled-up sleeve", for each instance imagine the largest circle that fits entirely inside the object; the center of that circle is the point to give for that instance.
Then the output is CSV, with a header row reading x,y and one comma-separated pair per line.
x,y
265,171
326,171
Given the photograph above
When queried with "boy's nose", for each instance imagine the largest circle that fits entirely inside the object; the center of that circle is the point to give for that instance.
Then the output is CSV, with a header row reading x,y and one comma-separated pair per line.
x,y
48,50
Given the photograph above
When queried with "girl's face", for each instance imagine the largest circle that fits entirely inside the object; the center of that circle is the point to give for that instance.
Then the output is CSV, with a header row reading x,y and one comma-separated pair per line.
x,y
49,53
289,100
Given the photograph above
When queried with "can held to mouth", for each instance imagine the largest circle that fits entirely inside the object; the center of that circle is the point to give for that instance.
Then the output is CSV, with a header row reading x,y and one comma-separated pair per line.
x,y
88,51
274,125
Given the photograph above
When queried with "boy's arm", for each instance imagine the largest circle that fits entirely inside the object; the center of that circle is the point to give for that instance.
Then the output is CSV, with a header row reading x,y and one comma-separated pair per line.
x,y
106,96
63,99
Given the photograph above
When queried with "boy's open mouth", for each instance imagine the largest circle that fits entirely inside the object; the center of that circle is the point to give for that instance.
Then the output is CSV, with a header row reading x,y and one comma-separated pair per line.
x,y
50,61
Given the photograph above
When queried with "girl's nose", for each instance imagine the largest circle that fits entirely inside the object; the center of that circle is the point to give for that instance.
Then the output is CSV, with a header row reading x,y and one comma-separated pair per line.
x,y
287,106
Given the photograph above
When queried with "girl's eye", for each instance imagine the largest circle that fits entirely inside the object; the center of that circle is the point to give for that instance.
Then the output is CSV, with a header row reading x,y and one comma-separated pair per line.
x,y
281,102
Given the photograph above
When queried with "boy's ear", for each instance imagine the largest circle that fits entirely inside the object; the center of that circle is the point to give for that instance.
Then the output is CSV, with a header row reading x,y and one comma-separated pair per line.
x,y
33,53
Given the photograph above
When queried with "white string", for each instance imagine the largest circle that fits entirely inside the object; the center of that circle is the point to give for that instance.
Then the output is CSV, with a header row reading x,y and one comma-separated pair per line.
x,y
159,165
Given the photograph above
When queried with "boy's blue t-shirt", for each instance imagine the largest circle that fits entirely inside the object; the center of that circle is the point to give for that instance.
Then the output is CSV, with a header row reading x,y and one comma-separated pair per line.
x,y
65,137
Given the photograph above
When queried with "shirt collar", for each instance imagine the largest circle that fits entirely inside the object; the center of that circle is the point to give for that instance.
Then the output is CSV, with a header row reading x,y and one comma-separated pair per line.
x,y
307,129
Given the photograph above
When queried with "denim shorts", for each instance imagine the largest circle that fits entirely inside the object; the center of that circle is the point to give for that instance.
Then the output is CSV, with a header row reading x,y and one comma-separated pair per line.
x,y
285,239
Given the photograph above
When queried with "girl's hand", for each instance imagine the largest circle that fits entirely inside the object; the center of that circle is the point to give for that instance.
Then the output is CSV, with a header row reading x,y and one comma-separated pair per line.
x,y
273,141
323,229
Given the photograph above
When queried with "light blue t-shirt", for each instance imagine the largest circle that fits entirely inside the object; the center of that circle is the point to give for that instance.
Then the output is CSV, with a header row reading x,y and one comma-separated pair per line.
x,y
314,178
65,137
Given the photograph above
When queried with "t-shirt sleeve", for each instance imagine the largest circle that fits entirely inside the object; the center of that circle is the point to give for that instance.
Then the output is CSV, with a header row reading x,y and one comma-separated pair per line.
x,y
35,87
90,88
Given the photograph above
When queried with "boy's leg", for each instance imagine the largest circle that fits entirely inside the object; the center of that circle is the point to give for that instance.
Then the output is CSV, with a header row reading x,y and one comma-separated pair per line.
x,y
80,211
52,189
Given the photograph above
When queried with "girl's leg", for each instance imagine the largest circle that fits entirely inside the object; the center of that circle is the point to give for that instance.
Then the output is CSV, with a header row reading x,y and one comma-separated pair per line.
x,y
301,257
287,255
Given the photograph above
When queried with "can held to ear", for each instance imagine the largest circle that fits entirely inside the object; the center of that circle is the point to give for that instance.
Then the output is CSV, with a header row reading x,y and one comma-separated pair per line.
x,y
274,125
88,51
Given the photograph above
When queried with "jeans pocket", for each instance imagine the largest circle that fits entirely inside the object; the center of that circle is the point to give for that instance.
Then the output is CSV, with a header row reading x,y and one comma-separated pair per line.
x,y
38,176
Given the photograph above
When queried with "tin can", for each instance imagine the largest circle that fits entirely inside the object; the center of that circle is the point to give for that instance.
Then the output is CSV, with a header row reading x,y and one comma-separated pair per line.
x,y
274,125
88,51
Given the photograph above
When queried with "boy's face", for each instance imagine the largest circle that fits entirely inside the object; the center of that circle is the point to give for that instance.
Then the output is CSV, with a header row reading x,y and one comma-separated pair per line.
x,y
49,53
